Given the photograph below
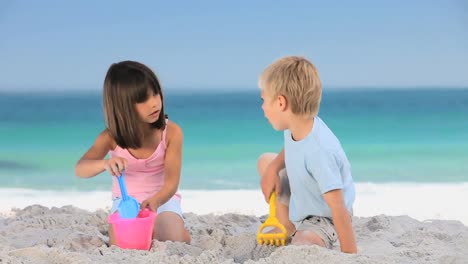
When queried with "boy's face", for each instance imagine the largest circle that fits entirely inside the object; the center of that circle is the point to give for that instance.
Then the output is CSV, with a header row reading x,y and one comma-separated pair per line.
x,y
274,110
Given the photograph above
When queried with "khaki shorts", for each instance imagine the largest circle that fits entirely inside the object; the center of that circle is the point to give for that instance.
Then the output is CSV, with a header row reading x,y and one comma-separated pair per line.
x,y
321,226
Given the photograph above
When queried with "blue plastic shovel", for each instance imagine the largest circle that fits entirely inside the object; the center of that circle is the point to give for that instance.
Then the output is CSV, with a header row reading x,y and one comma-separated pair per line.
x,y
128,207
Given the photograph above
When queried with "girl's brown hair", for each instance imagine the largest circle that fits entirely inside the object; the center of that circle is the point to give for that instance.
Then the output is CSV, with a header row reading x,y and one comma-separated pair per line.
x,y
126,84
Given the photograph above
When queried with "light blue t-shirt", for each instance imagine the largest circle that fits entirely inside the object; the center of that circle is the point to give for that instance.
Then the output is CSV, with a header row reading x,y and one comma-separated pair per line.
x,y
315,165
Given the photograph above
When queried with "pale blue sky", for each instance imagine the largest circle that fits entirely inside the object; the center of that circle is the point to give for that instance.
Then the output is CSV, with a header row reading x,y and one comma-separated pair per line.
x,y
64,45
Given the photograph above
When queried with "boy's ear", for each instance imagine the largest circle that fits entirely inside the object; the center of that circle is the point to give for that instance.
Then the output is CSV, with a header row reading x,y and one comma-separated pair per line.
x,y
282,102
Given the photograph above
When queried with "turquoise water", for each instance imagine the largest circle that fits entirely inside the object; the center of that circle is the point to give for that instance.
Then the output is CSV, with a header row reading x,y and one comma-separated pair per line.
x,y
389,136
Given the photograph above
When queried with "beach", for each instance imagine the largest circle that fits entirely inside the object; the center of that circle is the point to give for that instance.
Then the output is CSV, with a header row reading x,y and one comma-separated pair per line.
x,y
223,225
410,172
389,80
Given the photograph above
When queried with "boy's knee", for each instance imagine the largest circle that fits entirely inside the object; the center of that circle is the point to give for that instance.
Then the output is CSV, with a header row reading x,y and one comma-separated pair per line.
x,y
266,156
264,160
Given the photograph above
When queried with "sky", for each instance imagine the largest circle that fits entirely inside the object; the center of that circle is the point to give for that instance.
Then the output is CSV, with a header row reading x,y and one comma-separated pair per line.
x,y
224,45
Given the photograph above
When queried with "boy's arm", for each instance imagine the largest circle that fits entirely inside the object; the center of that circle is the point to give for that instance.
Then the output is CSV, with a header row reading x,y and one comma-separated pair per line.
x,y
172,168
92,162
341,220
270,179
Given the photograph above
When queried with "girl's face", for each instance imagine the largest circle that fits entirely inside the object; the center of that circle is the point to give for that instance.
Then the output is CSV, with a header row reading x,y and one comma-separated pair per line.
x,y
150,109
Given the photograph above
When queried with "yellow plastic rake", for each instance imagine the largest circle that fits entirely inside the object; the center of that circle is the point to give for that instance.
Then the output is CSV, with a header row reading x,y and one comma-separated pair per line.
x,y
277,238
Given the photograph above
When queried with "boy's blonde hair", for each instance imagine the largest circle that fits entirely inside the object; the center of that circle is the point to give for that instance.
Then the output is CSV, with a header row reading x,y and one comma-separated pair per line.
x,y
297,80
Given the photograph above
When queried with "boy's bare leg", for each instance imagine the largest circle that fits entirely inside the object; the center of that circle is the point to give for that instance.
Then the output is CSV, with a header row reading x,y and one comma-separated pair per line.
x,y
307,238
282,210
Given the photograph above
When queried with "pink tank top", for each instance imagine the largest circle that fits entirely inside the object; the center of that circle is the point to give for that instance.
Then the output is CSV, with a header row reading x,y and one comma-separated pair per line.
x,y
143,177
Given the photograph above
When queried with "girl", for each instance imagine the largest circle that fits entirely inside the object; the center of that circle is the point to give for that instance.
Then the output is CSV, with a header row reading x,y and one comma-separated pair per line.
x,y
141,142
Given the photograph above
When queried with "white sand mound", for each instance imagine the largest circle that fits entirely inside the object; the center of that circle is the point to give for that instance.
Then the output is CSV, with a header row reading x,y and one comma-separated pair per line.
x,y
37,234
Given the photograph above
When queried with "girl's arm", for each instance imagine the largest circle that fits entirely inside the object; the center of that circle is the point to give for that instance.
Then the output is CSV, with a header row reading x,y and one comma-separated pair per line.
x,y
172,168
341,220
92,163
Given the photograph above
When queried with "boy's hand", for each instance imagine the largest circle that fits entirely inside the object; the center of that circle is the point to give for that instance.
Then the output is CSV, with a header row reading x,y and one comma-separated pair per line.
x,y
270,182
115,165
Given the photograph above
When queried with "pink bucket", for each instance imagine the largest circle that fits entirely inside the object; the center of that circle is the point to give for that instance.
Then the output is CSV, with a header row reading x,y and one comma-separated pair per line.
x,y
133,233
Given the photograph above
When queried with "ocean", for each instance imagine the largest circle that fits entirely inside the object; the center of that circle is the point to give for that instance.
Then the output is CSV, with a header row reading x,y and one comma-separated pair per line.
x,y
390,136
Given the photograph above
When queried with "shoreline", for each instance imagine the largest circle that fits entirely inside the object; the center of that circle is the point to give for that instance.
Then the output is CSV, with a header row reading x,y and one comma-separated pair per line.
x,y
419,201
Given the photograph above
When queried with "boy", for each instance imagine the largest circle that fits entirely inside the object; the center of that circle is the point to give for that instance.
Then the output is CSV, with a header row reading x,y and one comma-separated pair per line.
x,y
311,175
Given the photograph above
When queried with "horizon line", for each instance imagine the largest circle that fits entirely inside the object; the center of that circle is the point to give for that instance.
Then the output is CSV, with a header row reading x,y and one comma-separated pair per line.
x,y
242,89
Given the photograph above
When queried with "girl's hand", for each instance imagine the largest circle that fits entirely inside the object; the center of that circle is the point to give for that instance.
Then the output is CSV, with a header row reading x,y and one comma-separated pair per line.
x,y
150,203
115,165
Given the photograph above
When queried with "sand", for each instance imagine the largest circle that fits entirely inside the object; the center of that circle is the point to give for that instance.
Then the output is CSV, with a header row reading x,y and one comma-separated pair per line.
x,y
38,234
